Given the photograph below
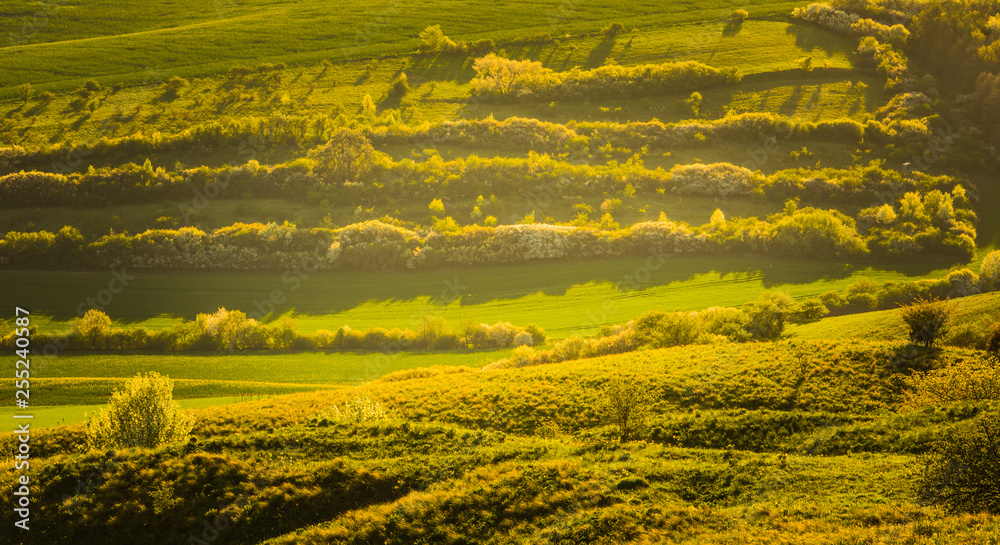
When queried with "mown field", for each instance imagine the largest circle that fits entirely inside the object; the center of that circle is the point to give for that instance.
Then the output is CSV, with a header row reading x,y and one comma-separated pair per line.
x,y
64,45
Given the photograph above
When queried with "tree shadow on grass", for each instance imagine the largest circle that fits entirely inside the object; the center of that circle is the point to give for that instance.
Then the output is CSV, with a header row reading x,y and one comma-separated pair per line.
x,y
810,37
59,294
599,55
444,67
732,28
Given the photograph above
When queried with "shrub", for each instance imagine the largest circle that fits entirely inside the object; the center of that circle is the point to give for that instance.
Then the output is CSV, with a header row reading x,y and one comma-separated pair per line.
x,y
613,30
141,414
738,16
345,158
433,40
989,271
993,344
502,77
767,315
963,472
25,91
974,381
360,409
92,329
963,283
232,330
399,86
660,329
627,406
716,179
174,86
927,321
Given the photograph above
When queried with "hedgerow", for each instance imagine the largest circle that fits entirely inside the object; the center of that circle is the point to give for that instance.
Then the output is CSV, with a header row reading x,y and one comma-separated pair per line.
x,y
233,330
935,222
498,78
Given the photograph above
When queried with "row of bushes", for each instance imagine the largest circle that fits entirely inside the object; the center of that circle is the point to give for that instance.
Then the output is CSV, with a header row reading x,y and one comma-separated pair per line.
x,y
760,320
765,320
851,23
920,226
232,330
904,139
247,135
866,294
879,45
383,181
498,78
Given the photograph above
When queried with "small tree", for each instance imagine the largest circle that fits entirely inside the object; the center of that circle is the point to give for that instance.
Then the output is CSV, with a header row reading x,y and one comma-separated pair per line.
x,y
738,16
694,102
989,271
172,89
345,158
399,86
766,317
26,91
433,39
613,30
993,344
962,473
141,414
662,330
92,329
927,321
627,407
806,64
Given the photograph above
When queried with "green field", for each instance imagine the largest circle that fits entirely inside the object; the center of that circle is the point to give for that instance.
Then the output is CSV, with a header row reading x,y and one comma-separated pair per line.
x,y
69,48
564,298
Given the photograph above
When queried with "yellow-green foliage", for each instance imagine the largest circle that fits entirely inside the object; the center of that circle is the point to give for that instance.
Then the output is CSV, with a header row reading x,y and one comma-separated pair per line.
x,y
976,380
360,409
141,414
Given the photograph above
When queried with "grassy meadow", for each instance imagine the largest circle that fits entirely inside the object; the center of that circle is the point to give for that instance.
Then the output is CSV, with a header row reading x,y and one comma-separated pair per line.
x,y
725,358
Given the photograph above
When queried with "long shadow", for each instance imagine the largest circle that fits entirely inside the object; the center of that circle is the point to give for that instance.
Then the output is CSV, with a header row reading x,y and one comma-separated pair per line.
x,y
732,28
149,294
600,53
809,37
444,67
790,105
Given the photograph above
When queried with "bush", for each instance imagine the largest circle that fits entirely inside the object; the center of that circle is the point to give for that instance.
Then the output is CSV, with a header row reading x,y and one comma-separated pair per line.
x,y
962,382
174,85
499,77
767,315
141,414
345,158
360,409
661,330
399,86
738,16
989,271
963,472
92,329
627,406
433,40
613,30
26,91
927,321
993,344
716,179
